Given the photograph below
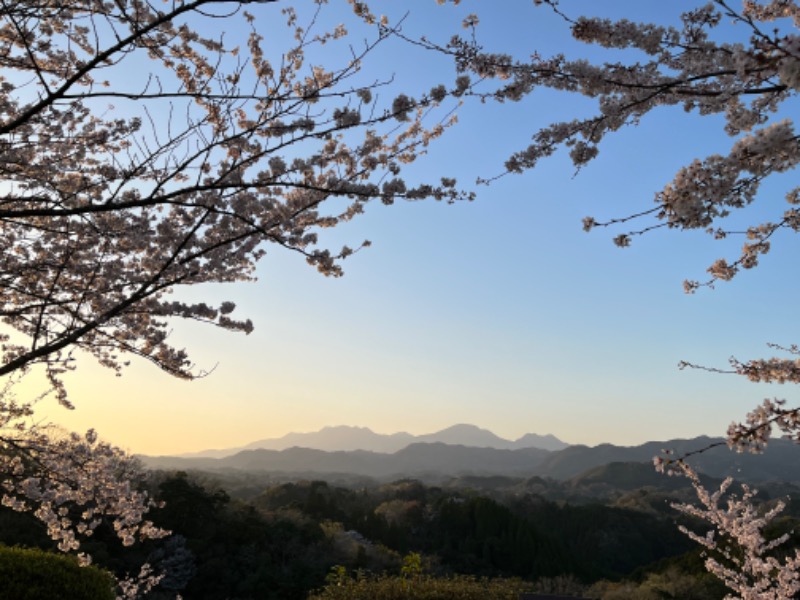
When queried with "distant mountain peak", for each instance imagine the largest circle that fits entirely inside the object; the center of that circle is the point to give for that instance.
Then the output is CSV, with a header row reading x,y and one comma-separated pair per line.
x,y
464,427
534,440
345,428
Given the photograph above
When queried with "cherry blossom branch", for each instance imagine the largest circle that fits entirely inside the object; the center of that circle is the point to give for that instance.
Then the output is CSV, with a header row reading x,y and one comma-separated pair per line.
x,y
737,550
139,33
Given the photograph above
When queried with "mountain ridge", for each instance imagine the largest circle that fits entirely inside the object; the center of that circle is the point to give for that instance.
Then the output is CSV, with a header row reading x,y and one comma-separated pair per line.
x,y
779,463
348,438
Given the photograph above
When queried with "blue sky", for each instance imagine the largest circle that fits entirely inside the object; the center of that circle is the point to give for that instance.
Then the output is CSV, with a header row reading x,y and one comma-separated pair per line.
x,y
501,312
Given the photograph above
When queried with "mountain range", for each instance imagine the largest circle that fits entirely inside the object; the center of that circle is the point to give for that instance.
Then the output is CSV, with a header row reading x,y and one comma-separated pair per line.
x,y
345,438
437,459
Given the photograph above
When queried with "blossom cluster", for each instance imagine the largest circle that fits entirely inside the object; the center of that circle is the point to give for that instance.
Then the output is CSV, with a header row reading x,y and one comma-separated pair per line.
x,y
738,553
73,484
694,65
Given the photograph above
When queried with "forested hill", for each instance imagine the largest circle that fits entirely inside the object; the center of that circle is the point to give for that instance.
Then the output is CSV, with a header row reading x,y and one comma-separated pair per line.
x,y
779,463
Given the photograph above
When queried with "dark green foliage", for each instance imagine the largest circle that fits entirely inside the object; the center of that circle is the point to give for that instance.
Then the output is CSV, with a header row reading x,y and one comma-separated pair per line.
x,y
282,542
275,547
480,536
30,574
669,582
237,551
606,541
189,508
23,529
688,567
458,587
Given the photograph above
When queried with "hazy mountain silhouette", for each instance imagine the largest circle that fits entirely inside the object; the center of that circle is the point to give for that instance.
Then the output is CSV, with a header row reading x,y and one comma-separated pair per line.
x,y
346,438
779,463
626,476
416,459
342,438
466,435
534,440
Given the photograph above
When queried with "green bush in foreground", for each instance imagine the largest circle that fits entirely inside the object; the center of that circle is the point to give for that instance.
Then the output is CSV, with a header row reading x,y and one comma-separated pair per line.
x,y
424,587
37,575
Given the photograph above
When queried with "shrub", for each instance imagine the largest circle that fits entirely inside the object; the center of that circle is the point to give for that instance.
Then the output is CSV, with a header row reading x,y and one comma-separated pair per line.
x,y
27,574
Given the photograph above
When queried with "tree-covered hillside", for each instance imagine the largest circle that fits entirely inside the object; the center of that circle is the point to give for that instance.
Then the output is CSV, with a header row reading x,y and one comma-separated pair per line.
x,y
284,541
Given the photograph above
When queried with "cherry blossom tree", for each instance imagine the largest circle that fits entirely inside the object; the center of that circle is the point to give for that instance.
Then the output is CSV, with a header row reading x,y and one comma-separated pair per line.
x,y
139,155
119,189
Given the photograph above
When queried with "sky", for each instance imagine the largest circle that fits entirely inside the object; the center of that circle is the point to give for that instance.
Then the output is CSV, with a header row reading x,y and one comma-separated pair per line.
x,y
499,312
